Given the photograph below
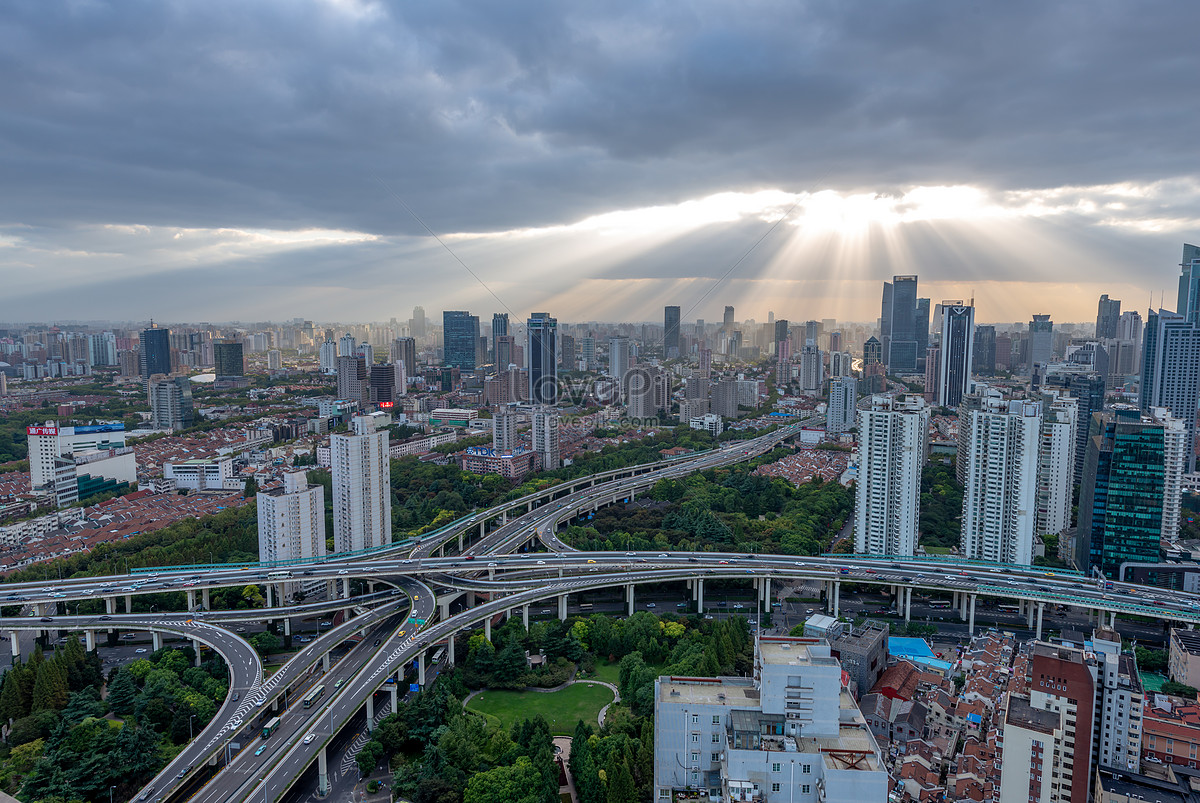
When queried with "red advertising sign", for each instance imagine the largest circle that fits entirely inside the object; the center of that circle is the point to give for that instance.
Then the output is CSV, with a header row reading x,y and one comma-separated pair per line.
x,y
386,405
41,430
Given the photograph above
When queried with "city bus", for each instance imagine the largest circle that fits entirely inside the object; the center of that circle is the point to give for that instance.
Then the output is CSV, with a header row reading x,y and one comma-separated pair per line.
x,y
1005,607
314,695
939,603
437,655
270,727
279,576
585,606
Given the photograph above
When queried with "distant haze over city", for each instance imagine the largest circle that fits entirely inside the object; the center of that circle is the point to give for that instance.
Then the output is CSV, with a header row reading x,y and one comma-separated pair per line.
x,y
217,161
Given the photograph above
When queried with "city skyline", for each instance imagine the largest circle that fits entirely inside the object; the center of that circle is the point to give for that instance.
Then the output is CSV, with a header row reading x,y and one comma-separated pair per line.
x,y
592,162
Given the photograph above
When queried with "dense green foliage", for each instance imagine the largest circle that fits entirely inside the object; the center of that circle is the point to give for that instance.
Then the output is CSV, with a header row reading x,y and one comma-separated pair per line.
x,y
1149,660
67,743
443,754
941,505
724,510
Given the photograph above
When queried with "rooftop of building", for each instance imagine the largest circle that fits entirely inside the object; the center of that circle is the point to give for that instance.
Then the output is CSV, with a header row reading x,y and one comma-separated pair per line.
x,y
782,651
1024,715
733,692
1177,789
1189,640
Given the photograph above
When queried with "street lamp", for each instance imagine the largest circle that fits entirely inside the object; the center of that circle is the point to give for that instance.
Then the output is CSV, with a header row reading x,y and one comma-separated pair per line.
x,y
193,716
110,791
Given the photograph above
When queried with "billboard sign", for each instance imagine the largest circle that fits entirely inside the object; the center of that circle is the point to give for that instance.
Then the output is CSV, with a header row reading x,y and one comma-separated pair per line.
x,y
41,430
99,428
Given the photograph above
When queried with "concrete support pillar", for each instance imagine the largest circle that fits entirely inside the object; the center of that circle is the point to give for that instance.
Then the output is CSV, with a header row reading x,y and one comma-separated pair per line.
x,y
1041,606
471,600
370,712
322,774
15,642
1028,614
287,626
971,617
129,603
325,662
206,599
700,594
907,604
460,542
270,595
395,689
766,592
450,650
837,596
629,599
487,628
370,586
443,609
196,648
90,640
562,607
156,640
1112,619
345,588
504,518
110,607
421,669
529,507
482,529
525,615
329,589
956,602
191,599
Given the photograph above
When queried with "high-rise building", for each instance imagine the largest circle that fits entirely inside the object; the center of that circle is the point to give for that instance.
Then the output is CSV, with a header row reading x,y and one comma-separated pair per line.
x,y
899,324
921,325
102,349
1048,734
507,352
587,353
618,357
291,520
504,429
274,360
362,496
1041,341
792,733
170,401
1188,304
957,352
352,379
347,345
154,354
1130,492
893,436
543,358
404,349
725,397
230,363
812,369
984,353
1171,370
418,327
328,356
781,334
843,399
460,337
670,332
566,352
641,390
1000,494
1108,313
727,321
499,329
872,351
545,437
1056,463
705,358
381,386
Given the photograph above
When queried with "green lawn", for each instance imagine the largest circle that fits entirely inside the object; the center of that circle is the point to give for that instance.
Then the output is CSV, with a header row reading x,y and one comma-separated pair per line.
x,y
561,709
611,673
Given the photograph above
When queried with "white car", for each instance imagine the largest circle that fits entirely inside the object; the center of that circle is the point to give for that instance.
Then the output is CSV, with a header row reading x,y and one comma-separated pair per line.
x,y
309,738
343,571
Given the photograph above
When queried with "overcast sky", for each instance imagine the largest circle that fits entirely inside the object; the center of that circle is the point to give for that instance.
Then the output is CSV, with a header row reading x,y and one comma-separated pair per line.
x,y
229,160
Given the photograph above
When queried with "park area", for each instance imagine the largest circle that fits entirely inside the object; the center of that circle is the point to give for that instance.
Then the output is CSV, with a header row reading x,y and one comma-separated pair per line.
x,y
561,709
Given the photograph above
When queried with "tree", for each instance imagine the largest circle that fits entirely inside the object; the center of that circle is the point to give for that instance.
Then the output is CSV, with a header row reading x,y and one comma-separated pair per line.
x,y
251,488
368,758
1147,660
1179,689
620,780
265,642
518,783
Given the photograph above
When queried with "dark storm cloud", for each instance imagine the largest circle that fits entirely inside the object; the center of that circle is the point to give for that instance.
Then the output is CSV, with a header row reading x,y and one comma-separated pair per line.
x,y
488,115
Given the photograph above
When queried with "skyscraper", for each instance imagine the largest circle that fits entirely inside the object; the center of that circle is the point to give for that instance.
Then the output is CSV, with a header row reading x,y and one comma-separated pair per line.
x,y
1171,370
382,384
843,398
404,349
872,351
545,437
291,520
1189,284
892,435
328,356
352,379
154,356
460,337
670,332
812,368
230,363
957,353
362,497
1108,313
506,352
1130,492
587,352
499,329
1056,463
781,334
1000,494
170,401
347,345
1041,340
543,358
618,357
984,354
921,325
566,352
418,322
899,324
504,429
727,321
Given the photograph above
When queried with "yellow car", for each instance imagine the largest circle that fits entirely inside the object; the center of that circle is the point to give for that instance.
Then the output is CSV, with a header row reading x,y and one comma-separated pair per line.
x,y
591,561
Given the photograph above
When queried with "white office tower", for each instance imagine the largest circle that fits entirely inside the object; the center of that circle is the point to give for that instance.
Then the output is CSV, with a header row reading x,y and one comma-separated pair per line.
x,y
587,352
1000,497
347,345
545,436
274,360
841,363
1175,457
504,429
1118,736
643,386
362,496
812,368
843,396
1171,369
291,520
367,352
102,349
790,734
329,357
400,386
893,435
1056,463
618,357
